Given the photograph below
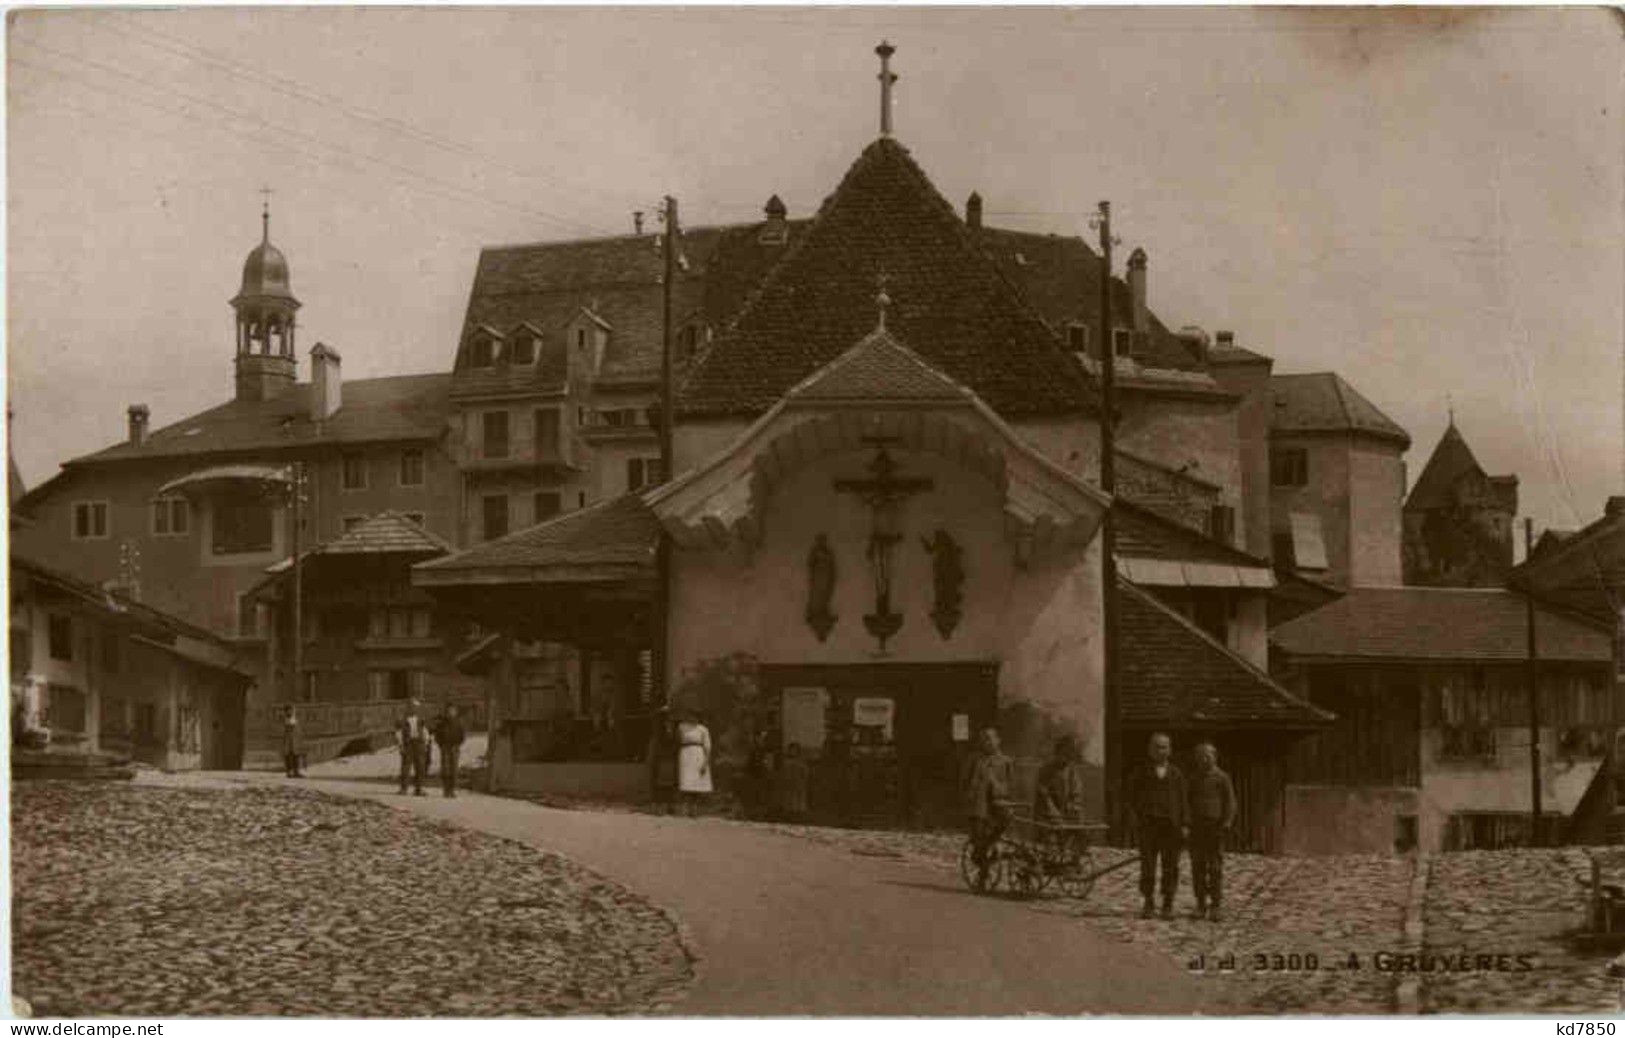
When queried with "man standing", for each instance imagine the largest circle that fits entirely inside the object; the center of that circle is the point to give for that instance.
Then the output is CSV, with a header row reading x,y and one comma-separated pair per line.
x,y
986,786
449,734
1212,813
412,734
291,744
1158,807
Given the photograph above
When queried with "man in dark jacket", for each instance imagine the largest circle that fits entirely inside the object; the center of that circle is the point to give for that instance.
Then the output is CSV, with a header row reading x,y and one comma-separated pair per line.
x,y
1158,806
1212,813
449,734
985,786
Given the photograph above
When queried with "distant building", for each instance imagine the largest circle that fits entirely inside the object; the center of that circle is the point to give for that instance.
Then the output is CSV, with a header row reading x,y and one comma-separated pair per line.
x,y
1458,521
1337,477
1430,747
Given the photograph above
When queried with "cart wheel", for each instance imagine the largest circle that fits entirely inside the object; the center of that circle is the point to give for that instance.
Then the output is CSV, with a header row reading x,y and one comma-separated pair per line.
x,y
986,878
1025,872
1078,879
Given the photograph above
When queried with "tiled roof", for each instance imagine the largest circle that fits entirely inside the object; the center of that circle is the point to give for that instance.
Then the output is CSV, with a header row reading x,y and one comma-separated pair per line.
x,y
401,407
617,279
950,303
879,367
1060,278
615,537
1476,624
1222,355
385,533
1172,674
1450,460
1143,533
1323,402
154,621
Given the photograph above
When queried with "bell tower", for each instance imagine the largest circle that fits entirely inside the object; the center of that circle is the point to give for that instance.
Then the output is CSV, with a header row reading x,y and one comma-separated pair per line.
x,y
265,306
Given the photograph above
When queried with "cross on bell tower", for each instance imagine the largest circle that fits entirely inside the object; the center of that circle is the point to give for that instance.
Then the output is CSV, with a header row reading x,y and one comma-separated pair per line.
x,y
887,78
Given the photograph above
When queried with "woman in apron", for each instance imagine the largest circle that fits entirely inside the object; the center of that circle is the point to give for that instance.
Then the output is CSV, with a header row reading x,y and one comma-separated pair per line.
x,y
693,760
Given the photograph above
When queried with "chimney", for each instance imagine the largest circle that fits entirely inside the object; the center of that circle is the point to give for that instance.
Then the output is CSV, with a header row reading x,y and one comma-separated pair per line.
x,y
637,222
325,384
1614,508
1195,340
1224,340
138,423
776,231
1136,291
973,211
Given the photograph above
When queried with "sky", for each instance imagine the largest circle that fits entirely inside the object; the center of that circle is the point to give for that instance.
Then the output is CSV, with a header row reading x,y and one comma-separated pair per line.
x,y
1429,201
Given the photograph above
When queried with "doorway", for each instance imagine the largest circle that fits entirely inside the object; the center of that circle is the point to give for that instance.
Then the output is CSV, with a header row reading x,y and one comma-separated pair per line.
x,y
887,740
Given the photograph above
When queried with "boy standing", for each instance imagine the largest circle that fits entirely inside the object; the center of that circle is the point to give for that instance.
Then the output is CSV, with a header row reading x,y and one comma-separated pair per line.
x,y
1158,806
1212,812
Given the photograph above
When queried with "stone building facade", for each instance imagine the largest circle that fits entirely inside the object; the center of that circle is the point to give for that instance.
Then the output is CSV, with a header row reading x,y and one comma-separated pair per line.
x,y
1458,520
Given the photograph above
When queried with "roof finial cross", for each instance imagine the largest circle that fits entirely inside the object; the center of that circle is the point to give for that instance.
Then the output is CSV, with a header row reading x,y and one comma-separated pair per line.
x,y
882,300
887,78
265,216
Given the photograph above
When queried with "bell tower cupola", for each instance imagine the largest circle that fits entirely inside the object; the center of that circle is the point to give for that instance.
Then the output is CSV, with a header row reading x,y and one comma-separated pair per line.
x,y
265,306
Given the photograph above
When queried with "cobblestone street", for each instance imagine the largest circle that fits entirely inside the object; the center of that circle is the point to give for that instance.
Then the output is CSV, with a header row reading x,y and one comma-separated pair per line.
x,y
143,901
1515,903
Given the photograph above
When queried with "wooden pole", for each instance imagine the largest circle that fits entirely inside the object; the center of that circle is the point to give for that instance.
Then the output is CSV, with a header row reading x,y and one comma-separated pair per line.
x,y
1532,681
1108,540
661,657
298,586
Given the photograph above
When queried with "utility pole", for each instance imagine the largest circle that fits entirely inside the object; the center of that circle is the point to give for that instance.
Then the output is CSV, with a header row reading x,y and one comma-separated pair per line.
x,y
661,661
298,586
1108,538
1532,680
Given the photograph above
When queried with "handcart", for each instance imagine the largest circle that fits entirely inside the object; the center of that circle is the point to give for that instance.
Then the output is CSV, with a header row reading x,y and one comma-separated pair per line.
x,y
1030,856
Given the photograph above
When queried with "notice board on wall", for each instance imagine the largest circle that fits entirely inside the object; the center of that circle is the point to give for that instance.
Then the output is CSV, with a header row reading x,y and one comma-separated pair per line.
x,y
803,717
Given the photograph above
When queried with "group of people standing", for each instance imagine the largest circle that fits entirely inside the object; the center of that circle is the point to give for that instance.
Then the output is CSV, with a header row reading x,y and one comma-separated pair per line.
x,y
1166,811
414,738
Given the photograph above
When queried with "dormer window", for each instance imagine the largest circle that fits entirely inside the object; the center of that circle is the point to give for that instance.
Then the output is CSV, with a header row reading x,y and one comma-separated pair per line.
x,y
1122,342
482,351
581,338
525,347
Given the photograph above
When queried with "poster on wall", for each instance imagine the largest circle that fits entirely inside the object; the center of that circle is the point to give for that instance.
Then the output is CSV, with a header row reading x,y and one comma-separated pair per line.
x,y
874,712
803,717
962,728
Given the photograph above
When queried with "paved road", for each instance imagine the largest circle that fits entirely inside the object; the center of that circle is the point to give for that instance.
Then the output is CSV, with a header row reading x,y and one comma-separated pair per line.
x,y
785,926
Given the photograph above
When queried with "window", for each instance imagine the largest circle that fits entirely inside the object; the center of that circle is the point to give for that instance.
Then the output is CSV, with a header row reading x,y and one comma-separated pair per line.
x,y
1289,466
1077,338
548,504
352,521
1222,523
482,351
547,434
354,474
59,635
1465,711
494,516
242,523
171,517
89,520
1122,342
494,434
524,349
111,653
642,472
581,338
248,617
411,468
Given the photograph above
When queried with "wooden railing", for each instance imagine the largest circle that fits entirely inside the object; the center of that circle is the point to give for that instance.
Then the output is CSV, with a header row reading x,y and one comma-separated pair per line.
x,y
263,724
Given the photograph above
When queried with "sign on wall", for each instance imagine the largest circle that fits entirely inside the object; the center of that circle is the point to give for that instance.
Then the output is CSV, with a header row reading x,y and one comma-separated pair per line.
x,y
875,712
803,717
962,728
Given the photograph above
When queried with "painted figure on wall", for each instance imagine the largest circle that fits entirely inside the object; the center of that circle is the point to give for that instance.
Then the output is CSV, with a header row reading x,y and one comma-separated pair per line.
x,y
820,587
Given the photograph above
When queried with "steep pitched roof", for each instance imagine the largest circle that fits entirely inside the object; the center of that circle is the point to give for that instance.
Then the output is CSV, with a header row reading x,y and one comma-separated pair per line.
x,y
401,407
610,540
1451,460
1323,402
1143,533
1174,675
384,534
1426,623
619,280
879,367
950,302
